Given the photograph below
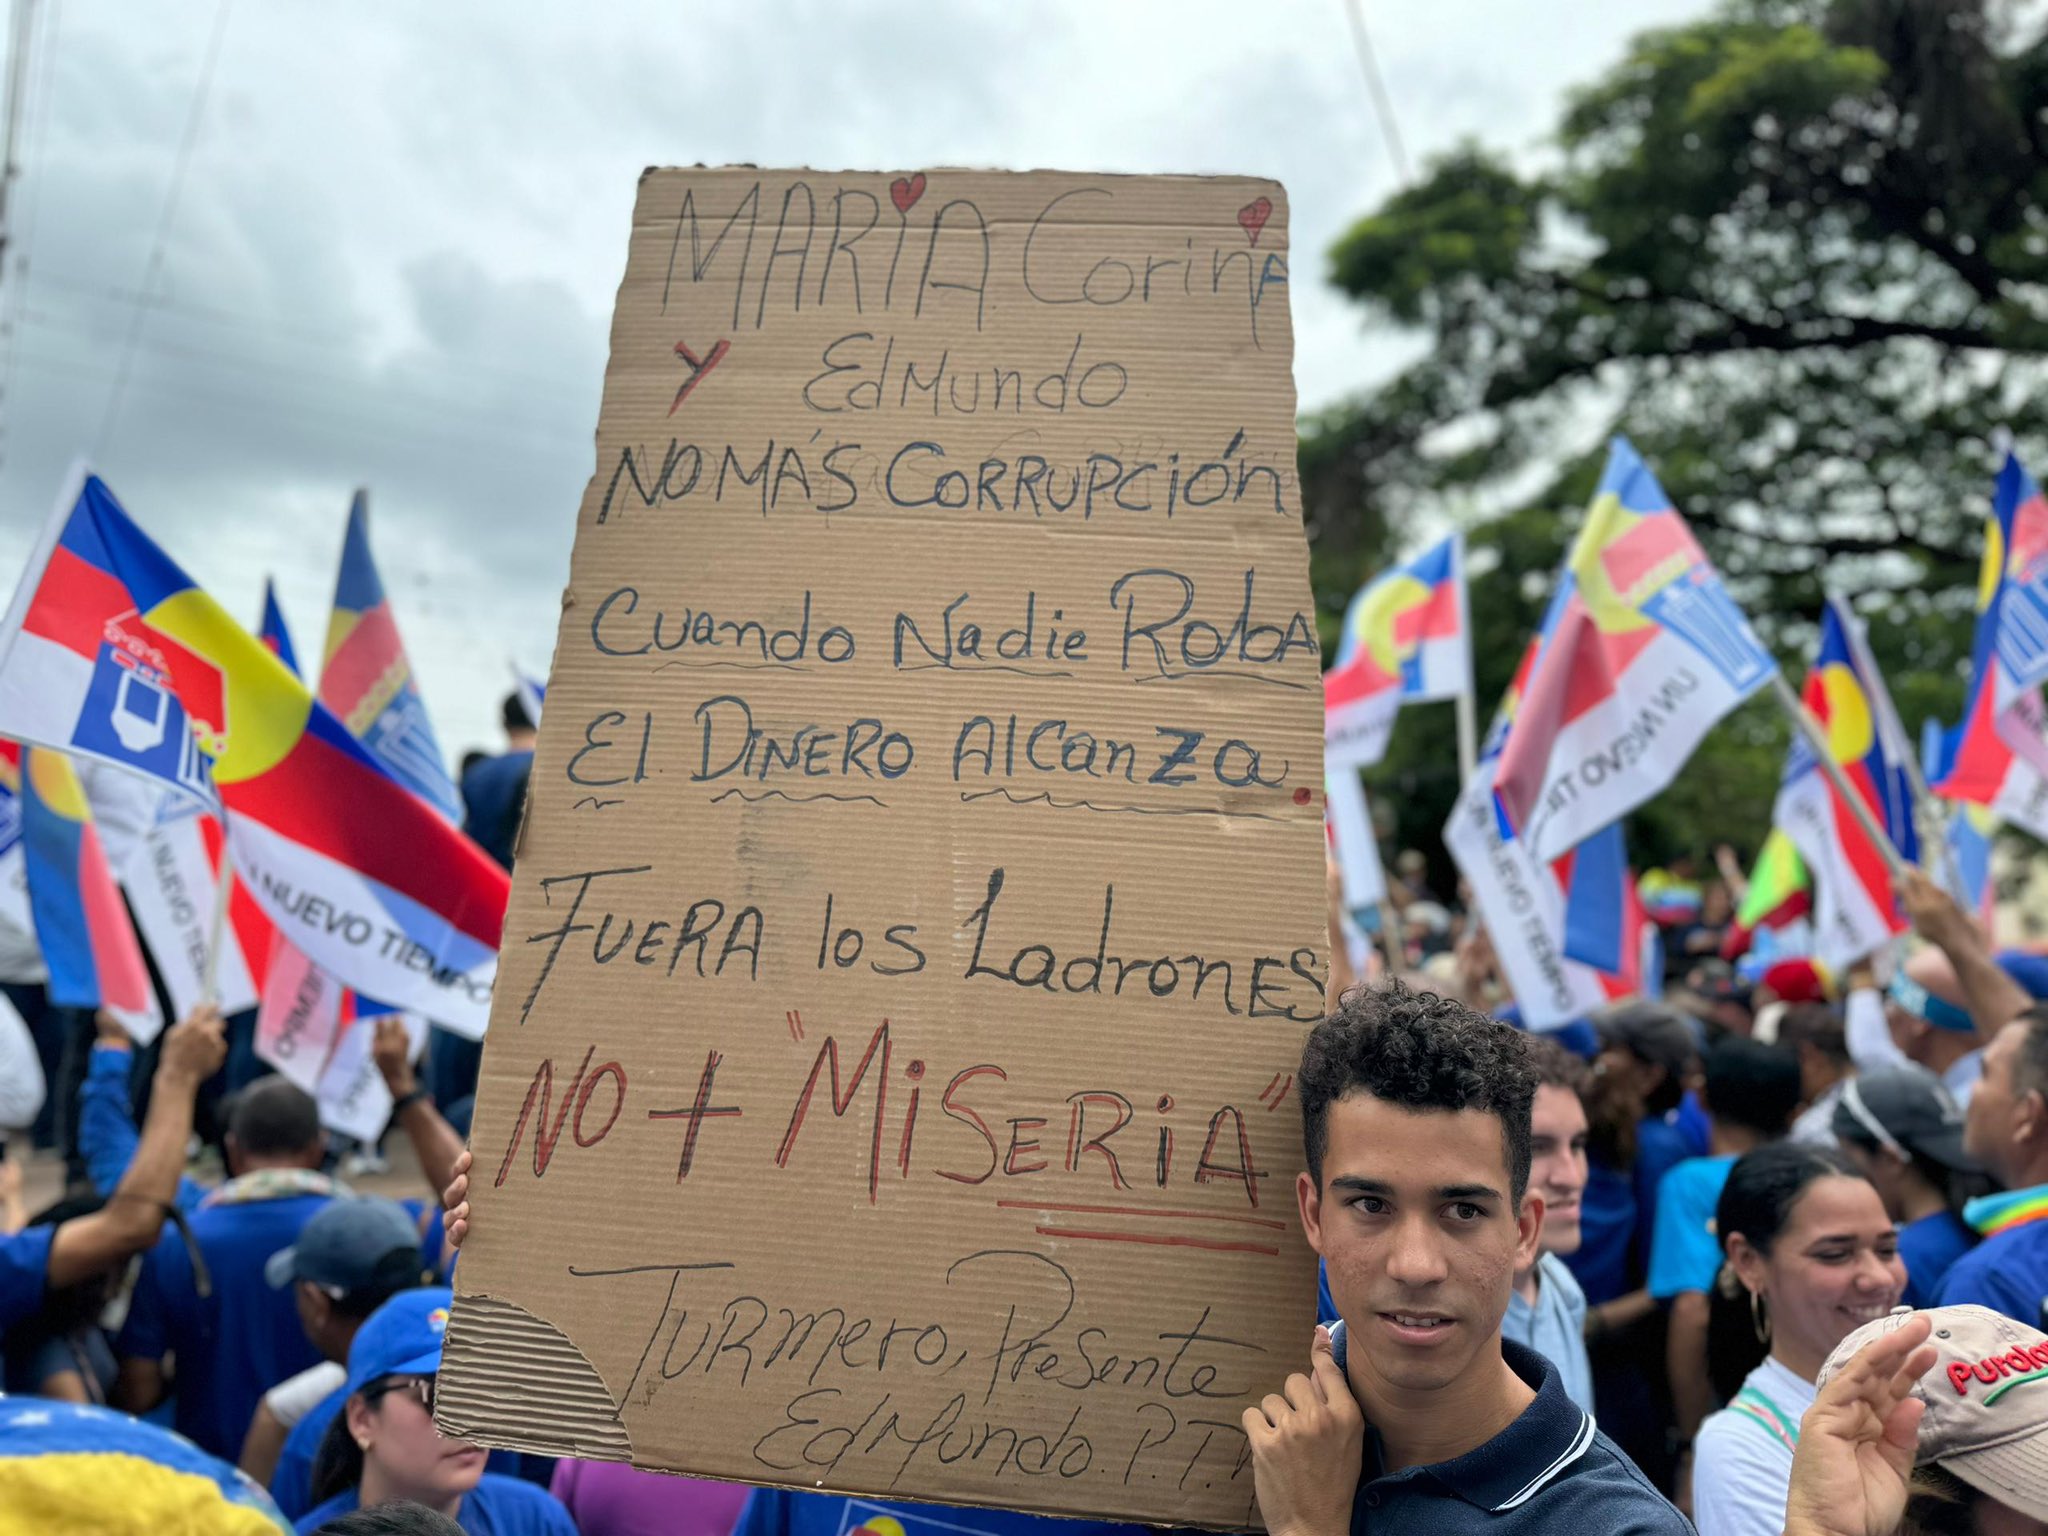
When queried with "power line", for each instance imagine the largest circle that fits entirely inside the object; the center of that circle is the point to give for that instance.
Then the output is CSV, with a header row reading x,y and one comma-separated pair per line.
x,y
14,295
154,265
1376,88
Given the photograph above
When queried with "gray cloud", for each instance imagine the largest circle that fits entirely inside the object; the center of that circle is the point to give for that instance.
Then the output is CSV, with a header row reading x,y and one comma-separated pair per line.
x,y
401,229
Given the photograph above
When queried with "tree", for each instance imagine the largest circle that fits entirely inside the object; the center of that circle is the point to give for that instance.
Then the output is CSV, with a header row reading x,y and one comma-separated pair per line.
x,y
1798,251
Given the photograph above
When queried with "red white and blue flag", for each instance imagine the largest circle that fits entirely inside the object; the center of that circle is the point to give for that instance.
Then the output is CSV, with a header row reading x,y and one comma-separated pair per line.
x,y
1605,924
1998,756
1407,639
1855,912
1525,901
1641,652
109,649
81,924
1972,832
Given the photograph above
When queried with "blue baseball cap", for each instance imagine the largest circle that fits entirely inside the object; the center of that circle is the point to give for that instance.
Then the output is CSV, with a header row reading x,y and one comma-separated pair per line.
x,y
352,1245
2028,969
1923,1004
401,1338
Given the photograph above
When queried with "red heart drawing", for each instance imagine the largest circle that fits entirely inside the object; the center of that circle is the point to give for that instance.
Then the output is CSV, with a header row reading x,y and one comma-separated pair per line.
x,y
1253,215
698,367
904,191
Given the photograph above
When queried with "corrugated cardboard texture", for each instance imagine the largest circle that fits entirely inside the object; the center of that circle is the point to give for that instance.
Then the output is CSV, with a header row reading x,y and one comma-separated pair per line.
x,y
920,907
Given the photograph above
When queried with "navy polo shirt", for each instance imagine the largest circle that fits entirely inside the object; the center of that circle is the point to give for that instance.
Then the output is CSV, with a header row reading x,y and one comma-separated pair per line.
x,y
1549,1471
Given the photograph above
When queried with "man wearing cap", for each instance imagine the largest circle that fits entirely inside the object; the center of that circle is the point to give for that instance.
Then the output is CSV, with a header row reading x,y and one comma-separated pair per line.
x,y
2006,1129
1905,1131
1968,1403
351,1258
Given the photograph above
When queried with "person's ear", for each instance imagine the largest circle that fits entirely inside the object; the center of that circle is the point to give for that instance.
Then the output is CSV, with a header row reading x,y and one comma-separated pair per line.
x,y
231,1152
1528,1230
1749,1264
2030,1118
1310,1199
362,1422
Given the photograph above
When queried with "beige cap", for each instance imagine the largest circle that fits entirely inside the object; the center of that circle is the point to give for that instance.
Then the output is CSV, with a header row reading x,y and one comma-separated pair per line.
x,y
1986,1397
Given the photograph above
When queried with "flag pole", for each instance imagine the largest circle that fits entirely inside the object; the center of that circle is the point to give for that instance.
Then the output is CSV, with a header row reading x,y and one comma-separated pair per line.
x,y
1817,741
216,938
1468,739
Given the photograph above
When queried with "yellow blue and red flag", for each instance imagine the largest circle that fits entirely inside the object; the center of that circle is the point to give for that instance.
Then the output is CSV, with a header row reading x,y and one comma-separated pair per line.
x,y
1641,652
1997,757
1855,913
368,682
1407,639
88,943
109,649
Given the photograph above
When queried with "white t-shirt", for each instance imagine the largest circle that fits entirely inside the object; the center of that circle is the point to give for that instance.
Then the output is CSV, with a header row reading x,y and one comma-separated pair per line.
x,y
296,1396
1742,1459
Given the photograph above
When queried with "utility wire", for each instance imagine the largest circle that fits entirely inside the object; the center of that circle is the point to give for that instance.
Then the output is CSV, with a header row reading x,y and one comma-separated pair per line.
x,y
154,266
1376,88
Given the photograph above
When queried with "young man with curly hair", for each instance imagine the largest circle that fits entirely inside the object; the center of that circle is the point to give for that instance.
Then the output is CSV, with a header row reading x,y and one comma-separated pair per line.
x,y
1414,1415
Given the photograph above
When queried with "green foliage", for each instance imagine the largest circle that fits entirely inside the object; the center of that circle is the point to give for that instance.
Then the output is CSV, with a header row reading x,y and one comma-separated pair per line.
x,y
1798,251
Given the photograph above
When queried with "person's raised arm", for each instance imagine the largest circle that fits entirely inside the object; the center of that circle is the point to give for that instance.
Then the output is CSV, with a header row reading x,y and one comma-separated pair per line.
x,y
134,1213
1853,1468
1993,998
1867,1032
433,1139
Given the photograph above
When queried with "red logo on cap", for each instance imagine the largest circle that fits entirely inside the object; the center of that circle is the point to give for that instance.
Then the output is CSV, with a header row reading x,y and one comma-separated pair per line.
x,y
2020,1360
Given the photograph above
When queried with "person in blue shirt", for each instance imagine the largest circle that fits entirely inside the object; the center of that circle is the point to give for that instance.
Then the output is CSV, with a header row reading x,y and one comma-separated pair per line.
x,y
351,1258
788,1512
70,1253
383,1448
204,1306
2006,1129
1413,1413
1752,1090
1905,1131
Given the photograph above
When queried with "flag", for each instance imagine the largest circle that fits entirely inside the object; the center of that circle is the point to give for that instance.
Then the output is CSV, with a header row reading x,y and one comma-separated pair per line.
x,y
1350,830
1406,639
1855,913
109,649
1605,923
173,885
1780,892
273,633
367,681
1641,652
88,943
1997,756
1973,829
1522,898
532,691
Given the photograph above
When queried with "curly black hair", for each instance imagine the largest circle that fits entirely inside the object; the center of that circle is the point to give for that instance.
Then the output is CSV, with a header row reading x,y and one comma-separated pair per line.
x,y
1418,1051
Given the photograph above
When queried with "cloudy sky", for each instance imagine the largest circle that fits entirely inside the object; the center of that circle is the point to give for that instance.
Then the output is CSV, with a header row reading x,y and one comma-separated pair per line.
x,y
392,258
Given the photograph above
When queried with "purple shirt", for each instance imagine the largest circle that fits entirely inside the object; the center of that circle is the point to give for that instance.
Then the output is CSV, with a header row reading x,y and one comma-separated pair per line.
x,y
609,1498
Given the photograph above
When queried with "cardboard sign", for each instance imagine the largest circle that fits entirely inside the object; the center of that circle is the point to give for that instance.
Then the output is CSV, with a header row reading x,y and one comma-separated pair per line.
x,y
919,908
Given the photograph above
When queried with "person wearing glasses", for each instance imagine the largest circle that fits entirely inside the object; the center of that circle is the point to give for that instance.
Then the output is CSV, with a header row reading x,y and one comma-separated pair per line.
x,y
1905,1131
382,1448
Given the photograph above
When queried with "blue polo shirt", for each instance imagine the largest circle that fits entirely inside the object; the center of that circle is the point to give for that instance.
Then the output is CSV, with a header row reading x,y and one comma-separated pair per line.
x,y
786,1512
496,1506
1551,1471
1930,1247
236,1344
2007,1273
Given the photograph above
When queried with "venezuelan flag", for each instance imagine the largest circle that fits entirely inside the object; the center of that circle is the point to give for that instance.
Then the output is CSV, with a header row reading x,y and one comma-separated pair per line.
x,y
88,942
73,1467
110,649
367,680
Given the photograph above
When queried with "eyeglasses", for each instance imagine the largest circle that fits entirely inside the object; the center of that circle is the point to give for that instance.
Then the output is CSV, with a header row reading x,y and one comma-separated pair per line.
x,y
419,1388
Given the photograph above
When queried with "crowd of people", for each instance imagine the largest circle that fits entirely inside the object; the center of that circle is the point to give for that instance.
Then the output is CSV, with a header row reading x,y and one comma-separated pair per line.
x,y
1614,1274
